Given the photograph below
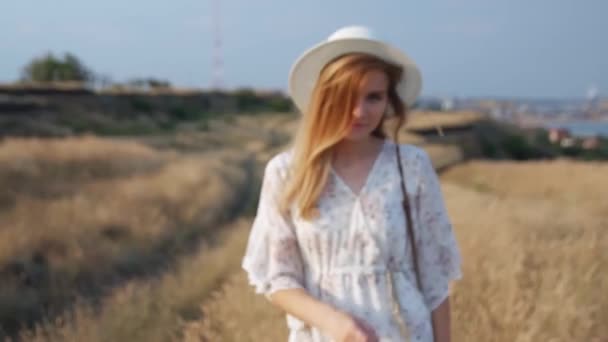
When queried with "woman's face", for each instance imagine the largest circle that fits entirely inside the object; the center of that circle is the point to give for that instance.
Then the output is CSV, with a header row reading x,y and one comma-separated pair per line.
x,y
370,106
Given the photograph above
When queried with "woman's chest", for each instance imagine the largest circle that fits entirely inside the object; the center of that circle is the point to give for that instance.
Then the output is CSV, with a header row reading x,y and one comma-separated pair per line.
x,y
376,212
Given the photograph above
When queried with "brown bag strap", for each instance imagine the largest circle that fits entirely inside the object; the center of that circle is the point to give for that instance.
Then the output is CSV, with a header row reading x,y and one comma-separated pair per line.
x,y
408,218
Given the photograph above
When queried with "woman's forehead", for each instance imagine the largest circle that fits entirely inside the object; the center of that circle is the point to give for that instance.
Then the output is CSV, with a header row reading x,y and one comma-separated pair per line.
x,y
374,80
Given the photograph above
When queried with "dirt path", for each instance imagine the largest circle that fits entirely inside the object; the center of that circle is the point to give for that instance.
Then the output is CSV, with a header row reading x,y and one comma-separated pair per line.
x,y
532,272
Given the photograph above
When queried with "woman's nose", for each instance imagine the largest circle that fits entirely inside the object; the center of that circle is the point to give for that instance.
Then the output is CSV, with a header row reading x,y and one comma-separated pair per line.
x,y
359,111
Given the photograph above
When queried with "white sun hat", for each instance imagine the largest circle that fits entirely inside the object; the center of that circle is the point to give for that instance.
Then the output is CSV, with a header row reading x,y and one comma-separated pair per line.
x,y
350,39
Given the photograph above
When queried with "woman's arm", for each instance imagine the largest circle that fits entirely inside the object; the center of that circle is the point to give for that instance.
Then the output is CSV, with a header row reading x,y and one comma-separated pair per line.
x,y
339,325
441,321
300,304
438,253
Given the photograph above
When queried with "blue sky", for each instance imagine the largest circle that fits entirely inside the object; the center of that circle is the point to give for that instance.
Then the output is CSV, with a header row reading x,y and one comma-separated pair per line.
x,y
538,48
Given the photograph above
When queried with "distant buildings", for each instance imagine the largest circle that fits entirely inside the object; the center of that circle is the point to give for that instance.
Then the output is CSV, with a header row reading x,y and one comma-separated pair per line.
x,y
564,138
556,135
590,143
447,104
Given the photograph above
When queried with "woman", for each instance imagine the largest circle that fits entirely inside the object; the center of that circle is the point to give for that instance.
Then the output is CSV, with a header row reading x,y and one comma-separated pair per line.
x,y
329,243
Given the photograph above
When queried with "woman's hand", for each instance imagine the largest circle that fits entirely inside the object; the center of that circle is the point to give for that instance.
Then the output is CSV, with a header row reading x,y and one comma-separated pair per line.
x,y
335,323
350,329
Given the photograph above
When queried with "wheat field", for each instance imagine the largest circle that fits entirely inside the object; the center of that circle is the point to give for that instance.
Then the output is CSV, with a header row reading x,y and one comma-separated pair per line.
x,y
533,237
79,216
534,264
90,223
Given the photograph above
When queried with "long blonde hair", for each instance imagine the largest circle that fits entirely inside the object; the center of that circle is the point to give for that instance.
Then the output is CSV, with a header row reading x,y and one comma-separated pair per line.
x,y
327,122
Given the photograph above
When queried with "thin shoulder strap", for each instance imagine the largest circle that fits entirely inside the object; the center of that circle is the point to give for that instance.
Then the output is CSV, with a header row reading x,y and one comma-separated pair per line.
x,y
408,217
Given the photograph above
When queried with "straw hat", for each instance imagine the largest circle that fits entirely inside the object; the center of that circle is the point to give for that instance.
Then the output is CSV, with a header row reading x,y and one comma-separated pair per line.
x,y
350,39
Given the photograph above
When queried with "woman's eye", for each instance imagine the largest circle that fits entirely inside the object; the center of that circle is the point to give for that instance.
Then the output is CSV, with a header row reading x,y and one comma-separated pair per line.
x,y
374,97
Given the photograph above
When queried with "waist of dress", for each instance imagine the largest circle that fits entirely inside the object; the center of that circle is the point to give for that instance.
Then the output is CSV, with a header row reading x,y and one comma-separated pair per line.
x,y
355,270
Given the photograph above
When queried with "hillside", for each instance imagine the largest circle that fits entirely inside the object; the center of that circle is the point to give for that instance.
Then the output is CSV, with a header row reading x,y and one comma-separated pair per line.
x,y
146,229
533,263
113,211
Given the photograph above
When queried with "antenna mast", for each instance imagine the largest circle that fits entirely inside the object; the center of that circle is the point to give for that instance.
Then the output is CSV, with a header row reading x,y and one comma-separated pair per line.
x,y
218,62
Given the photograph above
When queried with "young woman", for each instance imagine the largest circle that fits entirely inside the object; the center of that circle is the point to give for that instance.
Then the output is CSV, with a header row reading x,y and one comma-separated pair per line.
x,y
330,243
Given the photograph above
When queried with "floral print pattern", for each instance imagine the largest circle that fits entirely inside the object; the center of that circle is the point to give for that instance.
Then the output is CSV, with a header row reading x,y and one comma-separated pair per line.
x,y
344,257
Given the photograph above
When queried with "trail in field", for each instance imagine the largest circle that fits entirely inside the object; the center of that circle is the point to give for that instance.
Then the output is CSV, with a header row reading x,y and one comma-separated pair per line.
x,y
532,272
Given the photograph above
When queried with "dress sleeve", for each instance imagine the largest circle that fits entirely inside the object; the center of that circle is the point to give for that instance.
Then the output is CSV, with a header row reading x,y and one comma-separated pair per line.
x,y
438,252
272,257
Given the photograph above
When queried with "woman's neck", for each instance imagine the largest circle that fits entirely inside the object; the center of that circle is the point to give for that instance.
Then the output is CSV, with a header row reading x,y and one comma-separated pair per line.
x,y
353,150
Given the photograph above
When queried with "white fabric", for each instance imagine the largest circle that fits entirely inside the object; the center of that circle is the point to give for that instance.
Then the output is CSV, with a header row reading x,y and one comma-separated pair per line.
x,y
343,256
305,70
353,31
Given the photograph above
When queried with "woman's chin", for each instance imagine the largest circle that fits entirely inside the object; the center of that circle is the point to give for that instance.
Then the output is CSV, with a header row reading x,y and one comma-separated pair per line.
x,y
358,134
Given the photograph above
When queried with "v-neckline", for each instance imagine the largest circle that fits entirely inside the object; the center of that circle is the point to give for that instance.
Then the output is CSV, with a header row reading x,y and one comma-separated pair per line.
x,y
367,178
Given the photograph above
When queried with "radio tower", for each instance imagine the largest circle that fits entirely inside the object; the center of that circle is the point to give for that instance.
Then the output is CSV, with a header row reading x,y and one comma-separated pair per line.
x,y
591,104
218,62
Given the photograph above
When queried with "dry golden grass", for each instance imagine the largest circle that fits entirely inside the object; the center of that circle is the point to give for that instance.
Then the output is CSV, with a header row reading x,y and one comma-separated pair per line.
x,y
58,85
581,185
234,314
159,310
533,260
44,168
129,91
285,124
533,269
428,119
254,133
534,266
117,210
443,156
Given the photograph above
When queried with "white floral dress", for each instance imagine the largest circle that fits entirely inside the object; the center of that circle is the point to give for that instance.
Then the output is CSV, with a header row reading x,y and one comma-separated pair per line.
x,y
343,256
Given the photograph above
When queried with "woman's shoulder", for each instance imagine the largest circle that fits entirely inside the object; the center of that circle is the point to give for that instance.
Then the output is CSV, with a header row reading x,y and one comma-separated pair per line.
x,y
410,153
279,163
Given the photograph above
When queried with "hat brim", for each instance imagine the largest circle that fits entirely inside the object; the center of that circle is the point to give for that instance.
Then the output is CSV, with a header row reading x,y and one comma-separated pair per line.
x,y
305,71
